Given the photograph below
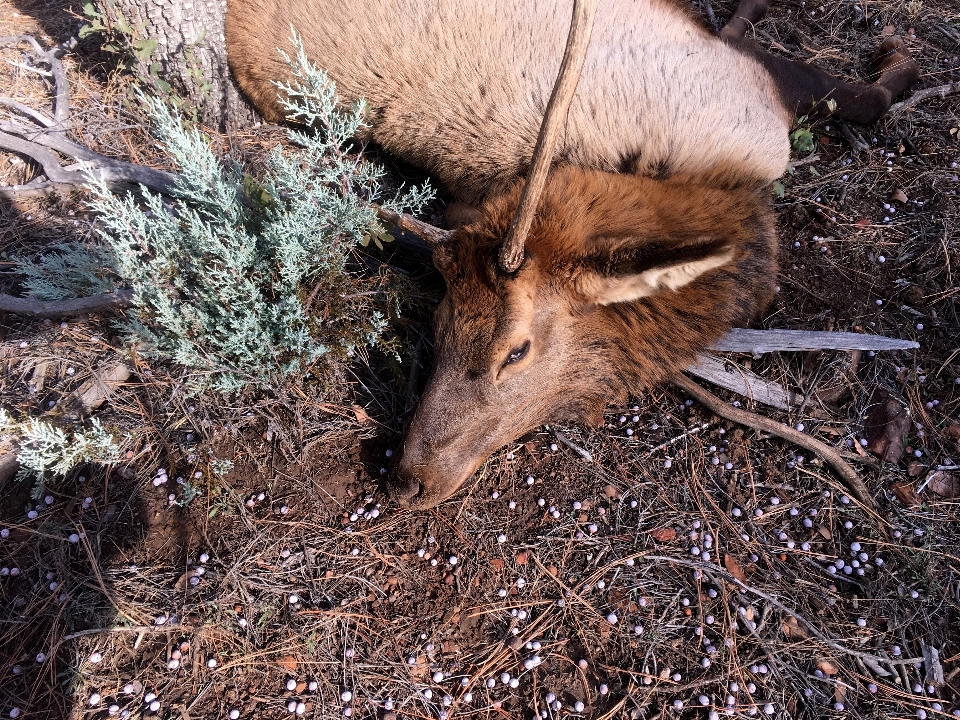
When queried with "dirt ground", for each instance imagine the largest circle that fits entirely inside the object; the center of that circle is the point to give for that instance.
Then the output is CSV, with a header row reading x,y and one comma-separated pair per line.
x,y
682,567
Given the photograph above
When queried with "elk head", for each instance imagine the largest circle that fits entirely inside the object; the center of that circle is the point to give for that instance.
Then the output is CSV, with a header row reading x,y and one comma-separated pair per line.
x,y
623,281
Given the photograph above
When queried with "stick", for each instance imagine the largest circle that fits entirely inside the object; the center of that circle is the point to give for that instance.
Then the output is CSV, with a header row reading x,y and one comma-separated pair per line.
x,y
743,382
941,91
432,235
106,302
758,342
34,115
743,417
32,143
574,55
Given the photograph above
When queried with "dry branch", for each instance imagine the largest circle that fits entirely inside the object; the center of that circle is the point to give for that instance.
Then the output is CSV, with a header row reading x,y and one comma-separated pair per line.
x,y
106,302
759,342
941,91
743,382
433,236
34,144
743,417
574,54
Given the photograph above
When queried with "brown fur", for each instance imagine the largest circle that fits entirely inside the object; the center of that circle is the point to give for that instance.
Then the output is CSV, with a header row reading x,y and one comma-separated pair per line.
x,y
582,355
626,277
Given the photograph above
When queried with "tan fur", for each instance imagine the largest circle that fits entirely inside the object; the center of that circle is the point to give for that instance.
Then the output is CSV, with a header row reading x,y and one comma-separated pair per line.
x,y
459,87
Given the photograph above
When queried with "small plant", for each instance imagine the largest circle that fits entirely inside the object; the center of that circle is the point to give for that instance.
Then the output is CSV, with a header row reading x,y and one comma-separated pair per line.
x,y
246,281
46,451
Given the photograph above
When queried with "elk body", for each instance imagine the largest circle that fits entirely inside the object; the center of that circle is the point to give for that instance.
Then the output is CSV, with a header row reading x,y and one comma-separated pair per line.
x,y
654,235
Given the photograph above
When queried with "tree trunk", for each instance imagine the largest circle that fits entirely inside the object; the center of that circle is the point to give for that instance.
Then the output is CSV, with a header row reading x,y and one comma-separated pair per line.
x,y
190,55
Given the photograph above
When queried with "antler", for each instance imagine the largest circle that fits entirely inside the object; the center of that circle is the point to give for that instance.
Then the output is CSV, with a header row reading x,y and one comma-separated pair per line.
x,y
511,253
433,236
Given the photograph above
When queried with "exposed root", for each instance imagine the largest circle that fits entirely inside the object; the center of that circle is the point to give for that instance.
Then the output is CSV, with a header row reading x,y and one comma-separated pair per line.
x,y
743,417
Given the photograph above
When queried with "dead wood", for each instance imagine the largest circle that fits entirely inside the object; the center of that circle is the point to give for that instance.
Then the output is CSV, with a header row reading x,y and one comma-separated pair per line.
x,y
743,417
743,382
941,91
105,302
574,54
758,342
83,401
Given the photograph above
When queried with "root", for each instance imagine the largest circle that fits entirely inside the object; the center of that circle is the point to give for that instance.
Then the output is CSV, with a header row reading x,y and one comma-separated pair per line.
x,y
743,417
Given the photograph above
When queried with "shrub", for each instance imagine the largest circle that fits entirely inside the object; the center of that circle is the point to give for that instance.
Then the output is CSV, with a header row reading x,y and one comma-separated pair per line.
x,y
222,271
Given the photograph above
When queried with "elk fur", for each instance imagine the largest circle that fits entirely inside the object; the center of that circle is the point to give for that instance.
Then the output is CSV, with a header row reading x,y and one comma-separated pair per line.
x,y
654,234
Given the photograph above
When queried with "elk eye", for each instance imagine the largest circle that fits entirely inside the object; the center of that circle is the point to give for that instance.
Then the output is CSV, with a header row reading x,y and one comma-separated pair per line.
x,y
517,355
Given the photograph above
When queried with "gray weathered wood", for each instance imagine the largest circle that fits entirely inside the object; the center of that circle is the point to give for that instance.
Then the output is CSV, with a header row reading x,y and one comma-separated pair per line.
x,y
743,382
758,342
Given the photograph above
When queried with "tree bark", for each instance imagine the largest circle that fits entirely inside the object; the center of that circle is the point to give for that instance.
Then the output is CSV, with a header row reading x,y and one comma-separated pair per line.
x,y
191,55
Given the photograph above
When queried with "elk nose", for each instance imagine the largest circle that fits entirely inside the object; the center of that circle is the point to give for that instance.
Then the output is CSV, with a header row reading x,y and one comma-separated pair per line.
x,y
403,487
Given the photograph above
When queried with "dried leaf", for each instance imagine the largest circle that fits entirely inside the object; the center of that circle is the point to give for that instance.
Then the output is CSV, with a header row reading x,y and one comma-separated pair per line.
x,y
899,196
915,468
361,415
906,494
793,629
523,557
887,31
733,567
496,564
664,534
288,662
825,532
828,667
861,222
888,421
945,484
953,430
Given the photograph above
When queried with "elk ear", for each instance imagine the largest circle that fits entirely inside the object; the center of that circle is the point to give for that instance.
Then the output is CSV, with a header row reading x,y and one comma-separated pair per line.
x,y
627,274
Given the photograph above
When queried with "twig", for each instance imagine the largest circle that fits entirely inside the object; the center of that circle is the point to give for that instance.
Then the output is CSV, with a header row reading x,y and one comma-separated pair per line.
x,y
743,417
585,454
940,91
758,342
708,9
829,642
34,115
105,302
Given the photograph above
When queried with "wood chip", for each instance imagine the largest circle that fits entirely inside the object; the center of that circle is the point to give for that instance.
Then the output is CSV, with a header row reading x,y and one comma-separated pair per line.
x,y
664,534
945,484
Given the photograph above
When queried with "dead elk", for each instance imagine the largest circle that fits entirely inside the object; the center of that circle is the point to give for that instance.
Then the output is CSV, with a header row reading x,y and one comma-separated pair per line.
x,y
654,233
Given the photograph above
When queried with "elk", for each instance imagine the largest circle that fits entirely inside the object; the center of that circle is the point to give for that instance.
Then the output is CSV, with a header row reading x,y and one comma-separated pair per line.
x,y
653,235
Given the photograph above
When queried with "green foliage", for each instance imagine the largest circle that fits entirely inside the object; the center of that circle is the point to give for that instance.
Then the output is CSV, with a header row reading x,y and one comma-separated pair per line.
x,y
801,139
47,451
222,271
